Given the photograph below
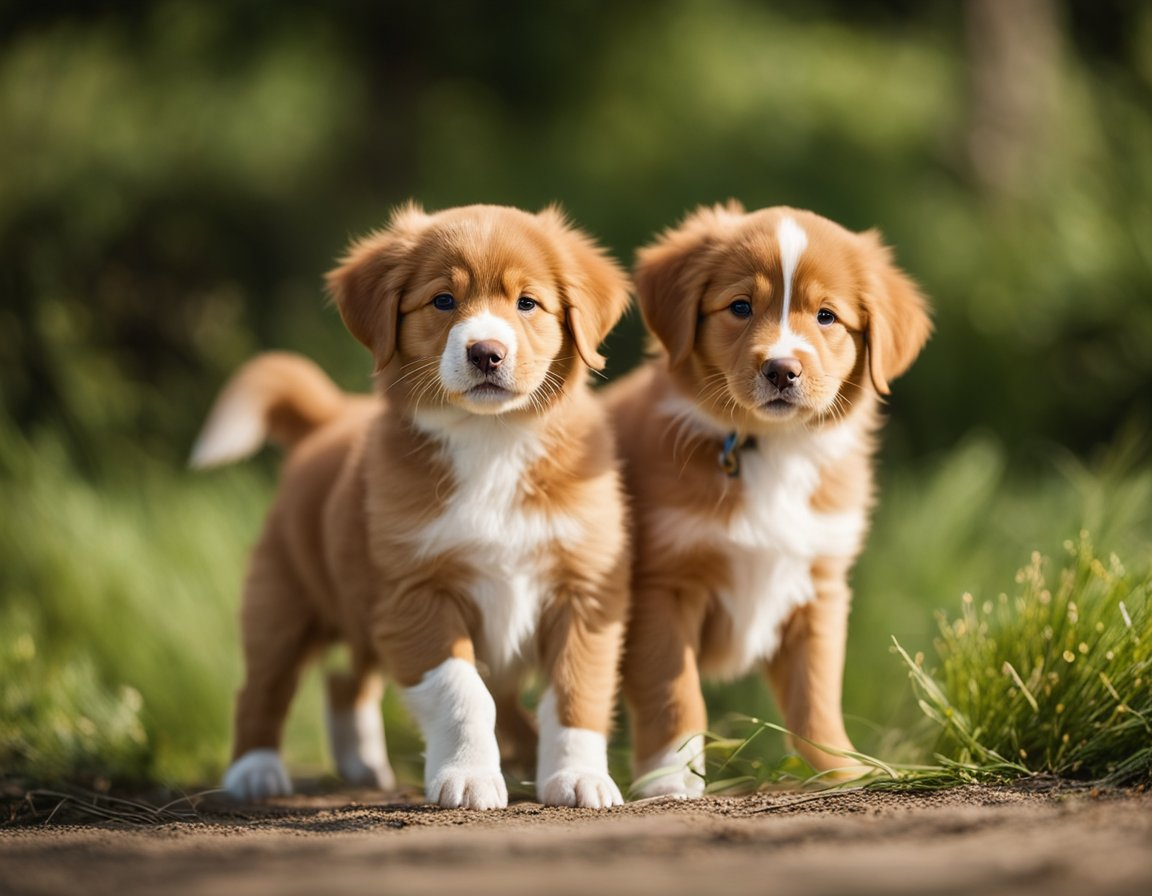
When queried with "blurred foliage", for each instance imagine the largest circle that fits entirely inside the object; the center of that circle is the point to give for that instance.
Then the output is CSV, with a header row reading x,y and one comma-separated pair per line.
x,y
118,651
177,175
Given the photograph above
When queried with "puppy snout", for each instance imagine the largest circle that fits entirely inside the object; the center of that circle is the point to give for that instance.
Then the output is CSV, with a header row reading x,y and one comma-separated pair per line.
x,y
783,372
487,354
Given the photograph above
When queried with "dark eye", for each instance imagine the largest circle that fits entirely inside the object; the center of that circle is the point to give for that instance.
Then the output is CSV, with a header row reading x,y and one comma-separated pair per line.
x,y
825,318
443,302
741,308
525,304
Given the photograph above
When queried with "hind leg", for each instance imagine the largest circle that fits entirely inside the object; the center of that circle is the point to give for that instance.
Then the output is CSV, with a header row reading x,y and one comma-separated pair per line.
x,y
356,729
515,729
279,633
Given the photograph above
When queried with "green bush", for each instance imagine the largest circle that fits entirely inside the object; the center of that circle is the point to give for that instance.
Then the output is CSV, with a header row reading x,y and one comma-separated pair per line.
x,y
1055,679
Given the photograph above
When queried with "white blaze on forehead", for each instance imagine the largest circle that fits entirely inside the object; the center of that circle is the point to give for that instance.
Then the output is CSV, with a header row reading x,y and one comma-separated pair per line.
x,y
793,241
456,371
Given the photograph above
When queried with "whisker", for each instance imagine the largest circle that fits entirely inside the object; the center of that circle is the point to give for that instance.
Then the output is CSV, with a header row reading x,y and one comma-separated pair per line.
x,y
417,368
429,387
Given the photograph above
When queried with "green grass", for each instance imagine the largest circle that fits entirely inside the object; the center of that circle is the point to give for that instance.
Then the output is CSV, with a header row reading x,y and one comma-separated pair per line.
x,y
119,650
1055,679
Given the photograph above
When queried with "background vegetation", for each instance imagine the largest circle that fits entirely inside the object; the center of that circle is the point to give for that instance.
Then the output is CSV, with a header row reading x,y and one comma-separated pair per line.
x,y
176,176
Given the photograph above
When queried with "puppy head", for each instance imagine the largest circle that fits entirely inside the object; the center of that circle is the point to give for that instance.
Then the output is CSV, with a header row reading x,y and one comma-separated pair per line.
x,y
486,308
779,314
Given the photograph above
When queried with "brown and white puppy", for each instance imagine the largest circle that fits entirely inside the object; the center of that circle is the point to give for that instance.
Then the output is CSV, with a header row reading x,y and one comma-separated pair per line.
x,y
464,526
747,449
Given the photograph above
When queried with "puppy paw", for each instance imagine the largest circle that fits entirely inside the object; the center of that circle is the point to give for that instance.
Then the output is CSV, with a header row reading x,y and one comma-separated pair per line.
x,y
359,773
257,775
677,770
356,737
465,788
580,789
682,782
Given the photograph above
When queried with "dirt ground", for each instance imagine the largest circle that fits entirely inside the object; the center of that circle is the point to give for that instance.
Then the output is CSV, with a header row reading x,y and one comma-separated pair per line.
x,y
969,840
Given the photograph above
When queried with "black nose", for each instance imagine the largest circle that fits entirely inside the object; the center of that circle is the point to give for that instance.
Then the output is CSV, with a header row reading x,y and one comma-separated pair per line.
x,y
487,355
782,372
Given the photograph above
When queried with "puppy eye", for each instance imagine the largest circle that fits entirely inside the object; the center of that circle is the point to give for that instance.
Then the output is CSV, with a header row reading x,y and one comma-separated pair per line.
x,y
443,302
825,318
525,304
741,308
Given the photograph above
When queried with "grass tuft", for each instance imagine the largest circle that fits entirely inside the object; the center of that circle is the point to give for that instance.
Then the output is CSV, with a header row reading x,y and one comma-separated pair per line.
x,y
1053,680
737,761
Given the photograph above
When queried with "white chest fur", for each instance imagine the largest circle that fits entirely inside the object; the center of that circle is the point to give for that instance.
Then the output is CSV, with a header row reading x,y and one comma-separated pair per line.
x,y
509,546
771,541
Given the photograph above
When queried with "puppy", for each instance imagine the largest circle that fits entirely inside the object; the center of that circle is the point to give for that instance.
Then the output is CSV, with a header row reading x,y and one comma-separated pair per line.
x,y
747,448
462,527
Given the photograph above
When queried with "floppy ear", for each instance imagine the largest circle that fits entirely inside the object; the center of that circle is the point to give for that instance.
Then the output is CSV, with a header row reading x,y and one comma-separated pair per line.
x,y
366,287
671,279
595,288
898,317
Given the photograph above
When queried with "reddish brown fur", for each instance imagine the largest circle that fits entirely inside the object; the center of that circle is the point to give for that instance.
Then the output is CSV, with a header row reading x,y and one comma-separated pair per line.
x,y
711,365
334,561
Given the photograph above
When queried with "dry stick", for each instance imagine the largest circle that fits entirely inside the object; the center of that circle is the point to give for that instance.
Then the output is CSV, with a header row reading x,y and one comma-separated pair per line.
x,y
832,794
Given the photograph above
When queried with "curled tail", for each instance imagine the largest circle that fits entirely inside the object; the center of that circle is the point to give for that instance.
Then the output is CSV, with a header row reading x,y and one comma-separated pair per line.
x,y
278,397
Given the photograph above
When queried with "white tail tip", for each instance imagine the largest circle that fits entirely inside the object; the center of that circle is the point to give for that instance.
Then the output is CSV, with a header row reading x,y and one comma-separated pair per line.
x,y
235,430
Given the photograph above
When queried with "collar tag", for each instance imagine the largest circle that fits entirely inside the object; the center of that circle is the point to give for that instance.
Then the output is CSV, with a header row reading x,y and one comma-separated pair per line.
x,y
730,455
729,458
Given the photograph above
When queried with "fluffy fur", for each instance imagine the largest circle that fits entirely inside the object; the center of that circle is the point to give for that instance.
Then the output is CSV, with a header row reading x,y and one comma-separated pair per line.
x,y
747,447
461,527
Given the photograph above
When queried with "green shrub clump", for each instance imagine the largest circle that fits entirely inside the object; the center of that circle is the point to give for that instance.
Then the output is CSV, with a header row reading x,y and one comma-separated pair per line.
x,y
1055,680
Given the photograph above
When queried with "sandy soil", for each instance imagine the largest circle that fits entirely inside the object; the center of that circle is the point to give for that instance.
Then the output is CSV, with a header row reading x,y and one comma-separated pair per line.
x,y
968,840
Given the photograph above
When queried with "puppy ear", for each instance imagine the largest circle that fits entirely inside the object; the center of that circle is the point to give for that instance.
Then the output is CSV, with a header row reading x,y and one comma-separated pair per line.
x,y
898,316
367,285
671,276
595,289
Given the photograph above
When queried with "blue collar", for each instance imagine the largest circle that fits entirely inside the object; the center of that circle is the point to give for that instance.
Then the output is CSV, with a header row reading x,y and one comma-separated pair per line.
x,y
729,458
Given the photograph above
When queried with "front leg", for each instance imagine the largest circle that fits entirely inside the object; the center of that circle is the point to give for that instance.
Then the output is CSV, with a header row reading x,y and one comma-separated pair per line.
x,y
807,672
580,643
458,717
425,639
662,686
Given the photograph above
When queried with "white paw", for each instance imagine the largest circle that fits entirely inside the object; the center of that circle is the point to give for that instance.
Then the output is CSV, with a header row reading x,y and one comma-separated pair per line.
x,y
580,789
359,773
356,737
677,770
458,717
257,775
455,787
681,782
